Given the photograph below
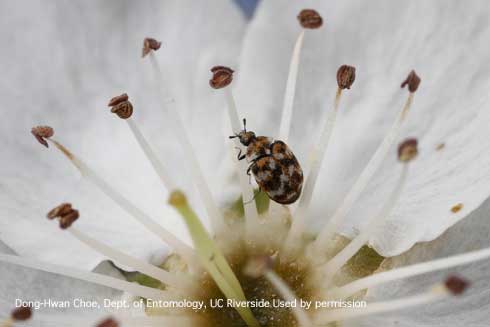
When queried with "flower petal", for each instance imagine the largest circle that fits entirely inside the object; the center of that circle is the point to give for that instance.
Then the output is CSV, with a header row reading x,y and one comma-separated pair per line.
x,y
472,308
384,41
62,70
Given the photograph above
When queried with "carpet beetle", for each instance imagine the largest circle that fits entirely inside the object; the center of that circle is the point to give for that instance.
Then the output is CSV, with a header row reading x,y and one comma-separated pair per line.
x,y
274,166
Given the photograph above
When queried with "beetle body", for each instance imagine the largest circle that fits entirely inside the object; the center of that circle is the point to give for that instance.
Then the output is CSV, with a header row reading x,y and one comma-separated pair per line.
x,y
274,166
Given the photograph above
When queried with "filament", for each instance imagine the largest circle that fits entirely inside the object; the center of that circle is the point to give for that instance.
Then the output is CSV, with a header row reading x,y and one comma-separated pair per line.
x,y
180,247
250,208
374,163
90,277
177,281
351,249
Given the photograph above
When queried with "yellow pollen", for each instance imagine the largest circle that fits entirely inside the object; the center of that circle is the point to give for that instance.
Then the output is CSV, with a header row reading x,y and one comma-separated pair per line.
x,y
177,199
457,208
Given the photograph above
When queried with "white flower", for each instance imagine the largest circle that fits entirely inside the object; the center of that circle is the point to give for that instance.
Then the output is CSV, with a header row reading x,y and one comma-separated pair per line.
x,y
73,61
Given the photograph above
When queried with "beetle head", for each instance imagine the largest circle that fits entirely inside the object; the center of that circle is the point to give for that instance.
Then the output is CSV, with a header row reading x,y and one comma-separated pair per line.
x,y
246,137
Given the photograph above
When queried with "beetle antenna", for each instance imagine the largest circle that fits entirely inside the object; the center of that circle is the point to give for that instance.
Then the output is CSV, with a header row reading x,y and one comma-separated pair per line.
x,y
244,124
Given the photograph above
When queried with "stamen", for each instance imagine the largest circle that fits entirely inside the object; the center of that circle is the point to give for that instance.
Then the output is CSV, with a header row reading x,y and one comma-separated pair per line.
x,y
410,271
406,152
90,277
180,247
150,45
309,18
262,266
211,257
121,106
345,78
287,110
21,314
165,277
179,282
109,322
362,181
118,104
358,242
456,285
67,216
157,165
250,208
438,292
215,216
41,133
222,77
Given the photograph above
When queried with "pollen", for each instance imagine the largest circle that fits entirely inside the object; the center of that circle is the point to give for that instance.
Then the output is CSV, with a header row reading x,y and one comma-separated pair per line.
x,y
149,45
457,208
260,293
309,18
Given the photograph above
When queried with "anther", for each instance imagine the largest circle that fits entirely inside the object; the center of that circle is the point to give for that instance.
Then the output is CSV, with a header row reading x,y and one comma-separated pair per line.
x,y
346,75
59,211
412,80
21,314
222,77
118,99
407,150
121,106
66,214
41,133
109,322
177,199
149,45
456,285
309,18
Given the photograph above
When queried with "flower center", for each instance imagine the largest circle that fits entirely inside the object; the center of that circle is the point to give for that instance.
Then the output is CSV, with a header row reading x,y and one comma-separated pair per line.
x,y
266,304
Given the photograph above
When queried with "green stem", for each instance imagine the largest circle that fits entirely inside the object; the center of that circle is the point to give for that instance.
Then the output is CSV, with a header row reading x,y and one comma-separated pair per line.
x,y
211,257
